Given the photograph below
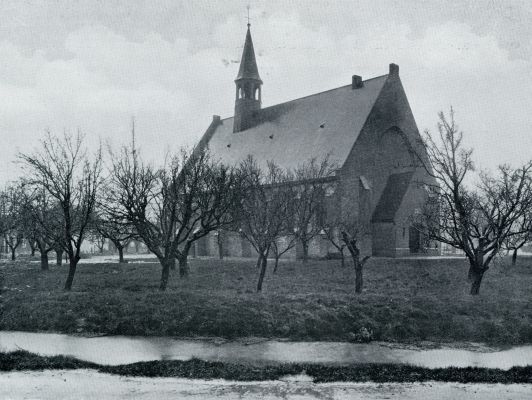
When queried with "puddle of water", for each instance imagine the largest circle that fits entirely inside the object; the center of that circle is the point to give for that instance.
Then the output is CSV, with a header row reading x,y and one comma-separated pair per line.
x,y
115,350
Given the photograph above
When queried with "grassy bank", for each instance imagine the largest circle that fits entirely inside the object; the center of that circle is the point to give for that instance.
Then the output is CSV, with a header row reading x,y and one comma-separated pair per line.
x,y
403,300
197,369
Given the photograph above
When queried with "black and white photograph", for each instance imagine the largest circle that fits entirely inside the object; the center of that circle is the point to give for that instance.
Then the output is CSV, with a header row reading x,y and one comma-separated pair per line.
x,y
253,199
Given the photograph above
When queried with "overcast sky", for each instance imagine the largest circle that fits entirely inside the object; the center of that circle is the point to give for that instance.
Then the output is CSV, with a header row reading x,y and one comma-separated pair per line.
x,y
92,65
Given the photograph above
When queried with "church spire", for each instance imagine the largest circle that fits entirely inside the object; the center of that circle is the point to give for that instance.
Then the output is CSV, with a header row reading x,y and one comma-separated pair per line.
x,y
248,87
248,64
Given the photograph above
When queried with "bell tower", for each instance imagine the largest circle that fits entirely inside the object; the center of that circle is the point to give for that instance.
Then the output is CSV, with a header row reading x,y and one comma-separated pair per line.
x,y
248,88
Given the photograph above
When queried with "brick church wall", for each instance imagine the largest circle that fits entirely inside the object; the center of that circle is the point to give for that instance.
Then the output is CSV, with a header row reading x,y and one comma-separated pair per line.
x,y
383,239
379,152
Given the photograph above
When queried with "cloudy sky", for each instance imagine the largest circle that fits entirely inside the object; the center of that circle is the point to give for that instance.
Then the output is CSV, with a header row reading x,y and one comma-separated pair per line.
x,y
92,65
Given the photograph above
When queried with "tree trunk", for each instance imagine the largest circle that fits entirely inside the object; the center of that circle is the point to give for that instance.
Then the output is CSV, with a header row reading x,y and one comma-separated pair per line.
x,y
32,247
183,266
514,257
476,279
351,244
183,261
220,247
71,272
476,270
13,255
264,263
276,264
165,275
305,251
59,257
120,254
359,280
343,258
44,261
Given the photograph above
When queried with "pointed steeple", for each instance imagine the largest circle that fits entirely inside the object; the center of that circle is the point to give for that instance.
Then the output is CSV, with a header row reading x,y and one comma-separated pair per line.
x,y
248,64
248,88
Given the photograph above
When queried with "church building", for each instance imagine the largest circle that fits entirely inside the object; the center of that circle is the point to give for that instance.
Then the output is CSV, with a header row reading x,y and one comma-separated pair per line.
x,y
361,127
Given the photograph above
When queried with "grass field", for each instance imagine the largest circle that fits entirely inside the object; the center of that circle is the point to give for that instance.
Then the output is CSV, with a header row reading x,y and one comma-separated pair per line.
x,y
403,300
198,369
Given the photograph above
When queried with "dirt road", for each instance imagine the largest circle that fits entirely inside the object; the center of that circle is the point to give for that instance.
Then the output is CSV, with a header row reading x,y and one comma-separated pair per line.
x,y
84,384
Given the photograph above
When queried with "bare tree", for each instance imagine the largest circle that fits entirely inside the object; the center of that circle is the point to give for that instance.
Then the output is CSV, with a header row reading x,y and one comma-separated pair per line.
x,y
344,231
352,234
63,167
220,241
12,217
266,211
13,238
59,250
332,232
136,243
521,235
43,221
282,245
95,238
309,180
476,218
172,206
307,186
32,244
118,231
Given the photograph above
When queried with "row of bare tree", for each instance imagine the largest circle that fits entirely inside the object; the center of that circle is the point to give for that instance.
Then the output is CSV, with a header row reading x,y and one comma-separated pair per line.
x,y
67,194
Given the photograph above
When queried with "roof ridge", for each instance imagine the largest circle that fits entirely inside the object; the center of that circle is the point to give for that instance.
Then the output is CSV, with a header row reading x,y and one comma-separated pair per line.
x,y
310,95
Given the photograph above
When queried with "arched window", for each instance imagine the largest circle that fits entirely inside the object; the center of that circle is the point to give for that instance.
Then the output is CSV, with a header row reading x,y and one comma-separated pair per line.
x,y
393,149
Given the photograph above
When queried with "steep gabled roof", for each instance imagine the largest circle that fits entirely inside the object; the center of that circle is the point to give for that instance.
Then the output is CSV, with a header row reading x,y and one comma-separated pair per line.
x,y
292,133
392,197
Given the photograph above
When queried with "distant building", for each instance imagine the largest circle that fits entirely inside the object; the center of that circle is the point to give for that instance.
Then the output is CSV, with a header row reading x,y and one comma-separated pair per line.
x,y
361,127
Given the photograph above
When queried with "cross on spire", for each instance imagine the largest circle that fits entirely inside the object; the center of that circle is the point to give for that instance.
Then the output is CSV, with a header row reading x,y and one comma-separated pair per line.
x,y
248,7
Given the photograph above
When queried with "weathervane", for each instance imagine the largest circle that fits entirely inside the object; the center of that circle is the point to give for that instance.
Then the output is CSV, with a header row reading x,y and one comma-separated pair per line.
x,y
134,150
248,7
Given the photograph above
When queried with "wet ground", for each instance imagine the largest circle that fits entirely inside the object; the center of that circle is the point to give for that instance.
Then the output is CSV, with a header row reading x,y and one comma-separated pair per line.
x,y
115,350
84,384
